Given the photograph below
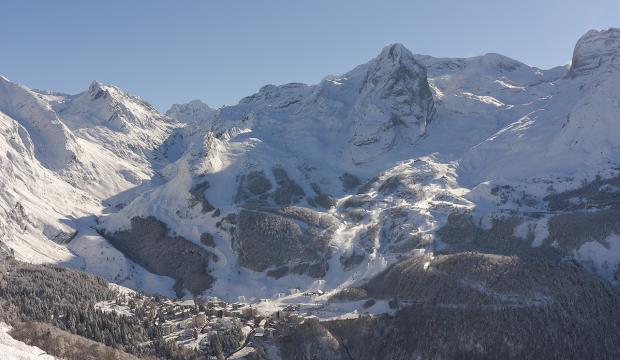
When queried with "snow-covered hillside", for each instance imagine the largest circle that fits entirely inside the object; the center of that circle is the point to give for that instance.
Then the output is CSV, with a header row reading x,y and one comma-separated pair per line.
x,y
62,156
321,186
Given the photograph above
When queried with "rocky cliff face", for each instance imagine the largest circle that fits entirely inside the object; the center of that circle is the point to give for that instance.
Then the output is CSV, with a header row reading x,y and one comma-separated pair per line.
x,y
363,115
395,104
596,50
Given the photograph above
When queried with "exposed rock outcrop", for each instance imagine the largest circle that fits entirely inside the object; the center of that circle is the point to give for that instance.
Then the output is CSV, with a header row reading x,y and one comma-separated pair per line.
x,y
395,104
596,50
198,196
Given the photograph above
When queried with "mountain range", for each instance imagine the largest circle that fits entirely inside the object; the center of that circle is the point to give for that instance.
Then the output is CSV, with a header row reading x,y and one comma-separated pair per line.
x,y
473,190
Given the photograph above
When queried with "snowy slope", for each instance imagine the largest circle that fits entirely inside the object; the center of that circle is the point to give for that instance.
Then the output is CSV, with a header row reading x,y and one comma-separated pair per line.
x,y
55,146
574,131
37,205
62,156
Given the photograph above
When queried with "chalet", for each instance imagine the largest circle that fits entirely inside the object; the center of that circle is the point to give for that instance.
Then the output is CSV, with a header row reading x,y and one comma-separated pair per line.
x,y
296,318
167,328
200,320
311,319
186,304
279,315
219,311
314,293
249,312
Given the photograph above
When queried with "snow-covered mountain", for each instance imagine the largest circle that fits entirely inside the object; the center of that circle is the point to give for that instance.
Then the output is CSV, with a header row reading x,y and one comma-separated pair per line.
x,y
404,158
573,131
62,157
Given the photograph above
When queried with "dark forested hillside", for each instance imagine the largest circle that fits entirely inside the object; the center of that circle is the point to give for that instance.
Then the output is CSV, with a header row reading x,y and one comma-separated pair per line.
x,y
66,299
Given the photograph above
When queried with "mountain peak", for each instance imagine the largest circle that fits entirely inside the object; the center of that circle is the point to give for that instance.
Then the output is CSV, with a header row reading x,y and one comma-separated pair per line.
x,y
395,63
195,110
95,84
393,52
595,50
392,57
395,104
198,103
98,90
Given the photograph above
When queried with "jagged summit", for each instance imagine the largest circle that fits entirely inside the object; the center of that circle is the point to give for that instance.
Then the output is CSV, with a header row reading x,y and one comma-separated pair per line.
x,y
596,50
394,52
109,106
98,90
95,85
393,62
396,85
380,107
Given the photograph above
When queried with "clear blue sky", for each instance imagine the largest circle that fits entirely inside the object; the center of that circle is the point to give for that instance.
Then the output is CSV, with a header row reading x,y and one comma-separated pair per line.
x,y
220,51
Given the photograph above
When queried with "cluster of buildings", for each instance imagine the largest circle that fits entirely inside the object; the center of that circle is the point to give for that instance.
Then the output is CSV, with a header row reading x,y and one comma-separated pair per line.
x,y
195,324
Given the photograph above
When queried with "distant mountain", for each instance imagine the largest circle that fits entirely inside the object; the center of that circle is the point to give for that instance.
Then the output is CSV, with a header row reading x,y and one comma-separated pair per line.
x,y
193,111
